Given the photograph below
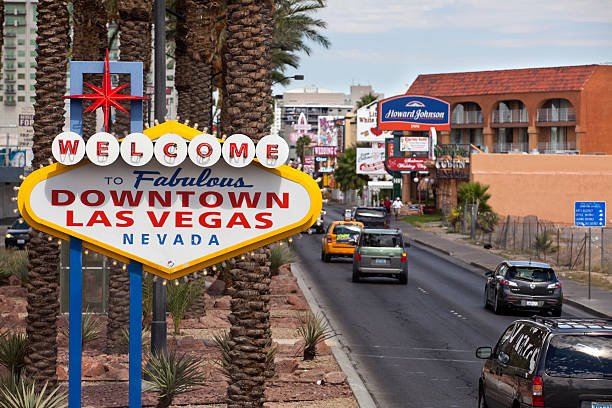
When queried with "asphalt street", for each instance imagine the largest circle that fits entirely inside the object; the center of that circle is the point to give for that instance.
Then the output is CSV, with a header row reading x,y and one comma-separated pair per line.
x,y
412,345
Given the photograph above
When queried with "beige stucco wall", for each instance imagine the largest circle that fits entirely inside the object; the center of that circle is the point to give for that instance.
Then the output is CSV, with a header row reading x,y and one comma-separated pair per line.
x,y
543,185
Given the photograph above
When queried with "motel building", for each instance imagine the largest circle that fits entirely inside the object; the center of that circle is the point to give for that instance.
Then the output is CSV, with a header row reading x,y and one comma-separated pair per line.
x,y
543,133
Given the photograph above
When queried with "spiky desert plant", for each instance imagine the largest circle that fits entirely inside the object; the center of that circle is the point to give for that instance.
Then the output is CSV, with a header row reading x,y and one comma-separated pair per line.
x,y
18,265
23,393
222,344
180,297
279,255
172,375
145,339
90,328
12,352
313,330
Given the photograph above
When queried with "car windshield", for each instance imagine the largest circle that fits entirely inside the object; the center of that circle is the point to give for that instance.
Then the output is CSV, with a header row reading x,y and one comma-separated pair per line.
x,y
382,240
20,224
370,213
578,355
531,274
347,229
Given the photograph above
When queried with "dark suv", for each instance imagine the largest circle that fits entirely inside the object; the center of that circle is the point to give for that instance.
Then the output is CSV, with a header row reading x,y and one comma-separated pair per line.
x,y
544,362
372,217
523,285
17,235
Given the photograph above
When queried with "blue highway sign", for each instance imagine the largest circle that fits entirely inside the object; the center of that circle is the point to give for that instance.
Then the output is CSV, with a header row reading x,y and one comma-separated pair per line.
x,y
590,213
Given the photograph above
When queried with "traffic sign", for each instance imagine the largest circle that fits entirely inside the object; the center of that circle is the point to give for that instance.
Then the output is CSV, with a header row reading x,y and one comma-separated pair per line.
x,y
590,213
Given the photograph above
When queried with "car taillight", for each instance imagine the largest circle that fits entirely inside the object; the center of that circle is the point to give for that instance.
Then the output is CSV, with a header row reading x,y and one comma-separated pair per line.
x,y
385,224
504,282
358,256
403,257
537,394
329,239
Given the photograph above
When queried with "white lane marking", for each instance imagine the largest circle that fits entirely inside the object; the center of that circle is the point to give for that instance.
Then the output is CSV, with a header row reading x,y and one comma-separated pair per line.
x,y
423,290
413,348
451,360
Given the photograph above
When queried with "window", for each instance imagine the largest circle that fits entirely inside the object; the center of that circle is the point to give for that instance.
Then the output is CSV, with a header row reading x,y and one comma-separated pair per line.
x,y
20,30
20,76
95,278
32,99
1,98
21,65
531,274
558,138
20,53
33,53
347,229
578,355
170,77
21,87
10,65
526,344
32,88
32,76
20,42
21,99
9,42
381,241
501,351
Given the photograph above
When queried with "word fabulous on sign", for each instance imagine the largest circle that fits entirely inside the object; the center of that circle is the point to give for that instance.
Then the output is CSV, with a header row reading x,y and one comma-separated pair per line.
x,y
173,214
170,150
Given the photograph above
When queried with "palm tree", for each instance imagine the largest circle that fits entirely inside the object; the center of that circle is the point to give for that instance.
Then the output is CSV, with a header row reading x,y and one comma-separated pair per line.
x,y
89,44
474,192
135,45
247,63
346,171
53,43
366,100
300,146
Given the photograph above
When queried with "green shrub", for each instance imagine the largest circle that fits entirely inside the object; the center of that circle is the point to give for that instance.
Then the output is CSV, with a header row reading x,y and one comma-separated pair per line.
x,y
172,375
280,255
313,330
14,263
180,297
12,352
23,393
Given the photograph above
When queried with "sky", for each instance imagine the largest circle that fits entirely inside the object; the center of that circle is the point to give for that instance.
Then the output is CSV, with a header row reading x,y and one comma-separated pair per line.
x,y
388,43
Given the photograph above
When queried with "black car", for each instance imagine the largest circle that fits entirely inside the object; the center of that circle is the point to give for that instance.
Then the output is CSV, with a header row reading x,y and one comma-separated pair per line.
x,y
545,362
372,217
319,226
17,235
523,285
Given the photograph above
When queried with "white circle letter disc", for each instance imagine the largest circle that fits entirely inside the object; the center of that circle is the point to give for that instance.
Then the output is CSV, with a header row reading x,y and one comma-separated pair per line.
x,y
272,151
136,149
170,149
68,148
238,150
204,150
102,149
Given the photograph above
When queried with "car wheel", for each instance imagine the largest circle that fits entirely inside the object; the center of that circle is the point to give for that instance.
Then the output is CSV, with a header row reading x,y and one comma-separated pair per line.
x,y
498,307
482,402
322,255
556,312
326,257
403,278
486,298
356,275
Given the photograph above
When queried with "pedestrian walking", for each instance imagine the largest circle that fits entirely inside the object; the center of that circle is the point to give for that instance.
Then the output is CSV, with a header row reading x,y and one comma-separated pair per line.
x,y
397,206
387,204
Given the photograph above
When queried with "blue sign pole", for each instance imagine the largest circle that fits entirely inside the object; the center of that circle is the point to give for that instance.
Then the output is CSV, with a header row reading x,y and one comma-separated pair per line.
x,y
135,271
74,323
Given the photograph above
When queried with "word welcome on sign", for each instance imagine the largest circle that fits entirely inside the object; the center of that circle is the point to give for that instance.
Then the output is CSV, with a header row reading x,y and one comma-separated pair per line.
x,y
173,220
170,149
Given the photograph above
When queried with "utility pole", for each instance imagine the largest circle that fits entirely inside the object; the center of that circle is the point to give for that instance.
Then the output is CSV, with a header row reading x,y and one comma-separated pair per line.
x,y
158,325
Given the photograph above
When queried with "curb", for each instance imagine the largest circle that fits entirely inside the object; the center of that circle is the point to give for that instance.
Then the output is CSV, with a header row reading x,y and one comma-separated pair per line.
x,y
449,257
361,393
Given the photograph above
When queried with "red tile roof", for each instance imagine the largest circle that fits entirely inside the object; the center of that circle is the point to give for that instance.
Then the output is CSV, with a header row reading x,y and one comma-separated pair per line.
x,y
503,81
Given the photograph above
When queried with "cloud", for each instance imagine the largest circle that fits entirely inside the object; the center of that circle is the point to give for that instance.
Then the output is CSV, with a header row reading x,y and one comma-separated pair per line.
x,y
503,16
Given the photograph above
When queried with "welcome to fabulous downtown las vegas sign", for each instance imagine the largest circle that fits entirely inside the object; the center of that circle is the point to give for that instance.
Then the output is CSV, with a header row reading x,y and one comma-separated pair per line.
x,y
177,205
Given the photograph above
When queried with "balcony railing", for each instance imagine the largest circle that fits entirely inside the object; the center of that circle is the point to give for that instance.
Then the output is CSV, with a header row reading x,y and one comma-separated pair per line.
x,y
556,115
509,147
510,116
466,118
557,148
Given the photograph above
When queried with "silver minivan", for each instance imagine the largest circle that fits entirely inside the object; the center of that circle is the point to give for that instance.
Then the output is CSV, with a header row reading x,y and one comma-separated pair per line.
x,y
381,252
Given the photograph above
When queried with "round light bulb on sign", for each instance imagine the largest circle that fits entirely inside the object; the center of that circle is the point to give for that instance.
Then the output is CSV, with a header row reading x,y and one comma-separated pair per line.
x,y
102,149
170,149
238,150
68,148
136,149
204,150
272,151
416,179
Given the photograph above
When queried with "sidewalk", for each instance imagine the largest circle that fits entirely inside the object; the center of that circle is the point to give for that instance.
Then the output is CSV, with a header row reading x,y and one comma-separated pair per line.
x,y
575,294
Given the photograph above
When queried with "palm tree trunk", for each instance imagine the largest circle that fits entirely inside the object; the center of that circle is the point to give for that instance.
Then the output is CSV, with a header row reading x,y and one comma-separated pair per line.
x,y
89,44
1,31
247,64
53,42
135,45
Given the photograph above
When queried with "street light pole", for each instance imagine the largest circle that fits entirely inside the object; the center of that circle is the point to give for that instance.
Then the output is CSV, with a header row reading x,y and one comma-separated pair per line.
x,y
158,324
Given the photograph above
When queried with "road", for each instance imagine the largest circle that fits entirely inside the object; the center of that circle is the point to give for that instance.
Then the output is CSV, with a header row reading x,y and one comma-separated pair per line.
x,y
412,345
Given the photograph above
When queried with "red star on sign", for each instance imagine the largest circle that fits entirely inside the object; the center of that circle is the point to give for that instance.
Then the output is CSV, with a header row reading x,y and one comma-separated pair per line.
x,y
107,96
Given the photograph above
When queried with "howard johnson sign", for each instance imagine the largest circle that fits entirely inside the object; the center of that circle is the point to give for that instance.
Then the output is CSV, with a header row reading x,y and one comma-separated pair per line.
x,y
413,112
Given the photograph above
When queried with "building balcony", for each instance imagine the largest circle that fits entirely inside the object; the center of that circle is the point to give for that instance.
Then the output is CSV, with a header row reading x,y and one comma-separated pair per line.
x,y
10,33
550,115
514,116
9,91
467,118
557,148
10,102
509,147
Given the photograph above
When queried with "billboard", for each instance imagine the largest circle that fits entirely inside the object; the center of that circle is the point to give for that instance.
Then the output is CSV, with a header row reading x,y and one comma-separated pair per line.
x,y
413,112
370,161
414,144
366,125
330,130
301,128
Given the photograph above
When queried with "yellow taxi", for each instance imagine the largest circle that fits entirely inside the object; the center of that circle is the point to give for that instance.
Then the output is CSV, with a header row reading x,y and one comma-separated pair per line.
x,y
341,239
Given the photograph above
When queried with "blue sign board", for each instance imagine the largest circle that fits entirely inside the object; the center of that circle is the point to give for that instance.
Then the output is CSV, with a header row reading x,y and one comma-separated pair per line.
x,y
590,213
413,112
